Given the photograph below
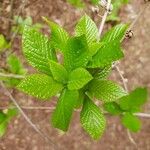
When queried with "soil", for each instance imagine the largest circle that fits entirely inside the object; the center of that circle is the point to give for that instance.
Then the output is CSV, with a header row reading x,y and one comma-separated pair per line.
x,y
21,136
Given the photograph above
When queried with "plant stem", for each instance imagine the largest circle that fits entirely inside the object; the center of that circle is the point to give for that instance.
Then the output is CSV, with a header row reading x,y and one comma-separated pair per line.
x,y
104,19
11,76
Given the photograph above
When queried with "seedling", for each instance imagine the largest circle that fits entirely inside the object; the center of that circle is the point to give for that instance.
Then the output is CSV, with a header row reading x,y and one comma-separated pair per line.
x,y
82,77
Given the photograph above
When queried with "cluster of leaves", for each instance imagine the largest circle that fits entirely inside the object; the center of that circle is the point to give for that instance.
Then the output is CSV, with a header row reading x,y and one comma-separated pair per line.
x,y
80,78
14,66
126,106
4,44
5,118
20,23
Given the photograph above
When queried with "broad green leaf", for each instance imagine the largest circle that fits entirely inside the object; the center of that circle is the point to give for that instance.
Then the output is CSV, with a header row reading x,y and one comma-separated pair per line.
x,y
106,90
134,100
62,114
113,108
37,49
131,122
59,36
115,34
102,73
92,119
78,78
59,72
76,3
87,27
107,54
76,54
40,86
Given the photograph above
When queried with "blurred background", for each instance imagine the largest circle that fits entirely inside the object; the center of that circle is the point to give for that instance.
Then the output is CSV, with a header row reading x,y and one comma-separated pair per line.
x,y
135,67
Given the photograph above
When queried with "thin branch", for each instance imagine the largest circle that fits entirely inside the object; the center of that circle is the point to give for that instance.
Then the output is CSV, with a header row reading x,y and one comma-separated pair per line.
x,y
12,76
10,16
29,107
43,135
122,78
143,115
131,139
104,19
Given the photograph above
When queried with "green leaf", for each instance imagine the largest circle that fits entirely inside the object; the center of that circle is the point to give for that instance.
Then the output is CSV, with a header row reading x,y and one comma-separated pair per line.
x,y
59,36
115,34
59,72
2,116
107,54
3,43
106,90
78,78
12,112
94,47
62,114
40,86
3,127
76,54
80,98
15,65
113,108
87,27
134,100
38,50
131,122
92,119
3,123
102,73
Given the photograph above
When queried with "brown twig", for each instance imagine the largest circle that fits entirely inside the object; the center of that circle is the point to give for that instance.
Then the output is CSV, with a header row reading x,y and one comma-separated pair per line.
x,y
43,135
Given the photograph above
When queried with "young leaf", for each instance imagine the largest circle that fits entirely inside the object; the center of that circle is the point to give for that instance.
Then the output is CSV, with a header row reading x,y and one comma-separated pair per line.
x,y
76,54
92,119
59,36
3,127
40,86
80,98
37,49
113,108
15,65
131,122
94,47
78,78
115,34
62,114
105,90
87,27
3,43
59,72
134,100
107,54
